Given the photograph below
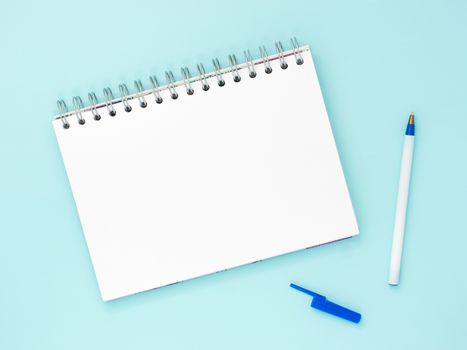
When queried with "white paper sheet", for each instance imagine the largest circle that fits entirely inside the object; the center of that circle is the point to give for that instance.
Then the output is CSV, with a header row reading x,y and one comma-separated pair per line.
x,y
207,182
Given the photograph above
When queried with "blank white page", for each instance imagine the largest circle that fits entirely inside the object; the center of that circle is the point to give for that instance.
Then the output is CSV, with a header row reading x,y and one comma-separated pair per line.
x,y
207,182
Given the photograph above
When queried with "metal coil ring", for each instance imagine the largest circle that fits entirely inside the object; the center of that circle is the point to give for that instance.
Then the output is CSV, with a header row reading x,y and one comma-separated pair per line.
x,y
63,110
296,51
155,89
217,68
265,56
171,84
280,52
202,76
234,64
186,79
109,97
139,94
93,102
79,106
124,94
250,64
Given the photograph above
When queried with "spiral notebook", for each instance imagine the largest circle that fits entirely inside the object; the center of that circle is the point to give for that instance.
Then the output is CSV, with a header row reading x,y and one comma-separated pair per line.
x,y
219,169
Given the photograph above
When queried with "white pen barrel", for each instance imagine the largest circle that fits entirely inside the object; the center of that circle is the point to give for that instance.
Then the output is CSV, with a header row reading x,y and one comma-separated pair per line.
x,y
401,209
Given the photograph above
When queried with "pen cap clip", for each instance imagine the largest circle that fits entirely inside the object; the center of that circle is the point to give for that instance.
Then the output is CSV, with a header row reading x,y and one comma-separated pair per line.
x,y
321,303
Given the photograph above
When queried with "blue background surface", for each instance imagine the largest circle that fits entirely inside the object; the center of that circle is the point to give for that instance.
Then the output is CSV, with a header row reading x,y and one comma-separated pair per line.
x,y
377,62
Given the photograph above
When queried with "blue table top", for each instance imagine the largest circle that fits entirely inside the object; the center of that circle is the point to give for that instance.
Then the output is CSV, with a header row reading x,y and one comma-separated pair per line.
x,y
377,62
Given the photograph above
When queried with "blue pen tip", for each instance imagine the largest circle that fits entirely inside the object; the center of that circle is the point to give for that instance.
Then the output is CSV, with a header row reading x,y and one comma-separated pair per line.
x,y
410,131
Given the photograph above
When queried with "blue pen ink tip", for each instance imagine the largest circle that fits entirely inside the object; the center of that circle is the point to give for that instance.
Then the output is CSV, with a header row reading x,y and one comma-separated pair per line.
x,y
410,125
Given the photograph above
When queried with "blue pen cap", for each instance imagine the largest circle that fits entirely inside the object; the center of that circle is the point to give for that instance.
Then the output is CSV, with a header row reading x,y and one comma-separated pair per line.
x,y
320,302
336,310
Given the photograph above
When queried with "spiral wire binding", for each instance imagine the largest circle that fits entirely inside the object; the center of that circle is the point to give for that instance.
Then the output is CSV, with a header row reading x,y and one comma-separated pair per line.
x,y
63,111
140,94
156,89
186,80
296,51
79,106
280,51
250,64
124,94
202,77
93,102
218,73
234,66
265,56
109,97
171,84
